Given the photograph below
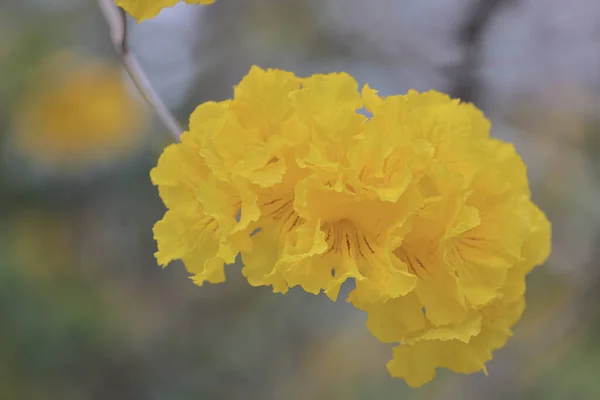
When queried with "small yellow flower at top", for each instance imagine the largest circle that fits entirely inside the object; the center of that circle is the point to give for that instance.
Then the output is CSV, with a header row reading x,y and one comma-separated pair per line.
x,y
77,113
146,9
412,199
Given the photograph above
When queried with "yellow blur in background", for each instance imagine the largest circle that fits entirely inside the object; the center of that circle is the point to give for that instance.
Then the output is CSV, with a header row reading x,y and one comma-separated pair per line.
x,y
77,112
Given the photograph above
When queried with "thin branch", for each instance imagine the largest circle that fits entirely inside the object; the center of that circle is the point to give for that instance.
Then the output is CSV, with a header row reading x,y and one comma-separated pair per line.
x,y
117,23
471,36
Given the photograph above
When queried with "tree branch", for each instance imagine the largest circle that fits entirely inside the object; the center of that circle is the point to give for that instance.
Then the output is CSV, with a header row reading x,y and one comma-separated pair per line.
x,y
471,36
117,23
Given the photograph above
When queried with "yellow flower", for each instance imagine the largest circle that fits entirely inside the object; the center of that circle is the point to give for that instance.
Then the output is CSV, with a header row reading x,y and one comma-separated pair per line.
x,y
201,236
146,9
430,216
79,115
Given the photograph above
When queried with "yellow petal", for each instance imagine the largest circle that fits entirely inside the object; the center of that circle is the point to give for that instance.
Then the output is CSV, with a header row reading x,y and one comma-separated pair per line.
x,y
146,9
180,170
260,262
391,320
262,99
382,281
371,99
437,286
462,332
327,104
190,237
536,247
479,282
417,362
438,290
304,262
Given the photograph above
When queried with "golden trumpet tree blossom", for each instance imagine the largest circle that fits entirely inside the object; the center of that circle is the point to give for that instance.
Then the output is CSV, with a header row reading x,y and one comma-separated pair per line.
x,y
314,182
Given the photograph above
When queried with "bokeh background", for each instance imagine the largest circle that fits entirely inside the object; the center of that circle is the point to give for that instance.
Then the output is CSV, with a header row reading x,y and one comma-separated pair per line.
x,y
85,312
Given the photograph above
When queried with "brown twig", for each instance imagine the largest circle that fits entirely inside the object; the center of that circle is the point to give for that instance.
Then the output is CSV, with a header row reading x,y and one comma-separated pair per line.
x,y
117,23
471,36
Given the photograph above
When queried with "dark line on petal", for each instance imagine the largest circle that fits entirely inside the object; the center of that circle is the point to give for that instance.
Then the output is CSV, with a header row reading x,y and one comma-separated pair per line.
x,y
411,268
281,208
359,248
271,202
290,215
368,245
348,245
296,222
422,266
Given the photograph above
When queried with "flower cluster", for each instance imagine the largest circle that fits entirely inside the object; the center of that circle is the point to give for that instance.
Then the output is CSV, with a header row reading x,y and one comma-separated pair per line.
x,y
146,9
314,183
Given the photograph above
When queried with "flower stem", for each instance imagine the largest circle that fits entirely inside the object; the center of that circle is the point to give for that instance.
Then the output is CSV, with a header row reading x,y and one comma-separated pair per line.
x,y
117,23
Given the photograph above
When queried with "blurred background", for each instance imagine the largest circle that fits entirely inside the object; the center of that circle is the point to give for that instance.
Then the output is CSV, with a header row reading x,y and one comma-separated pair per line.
x,y
85,312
